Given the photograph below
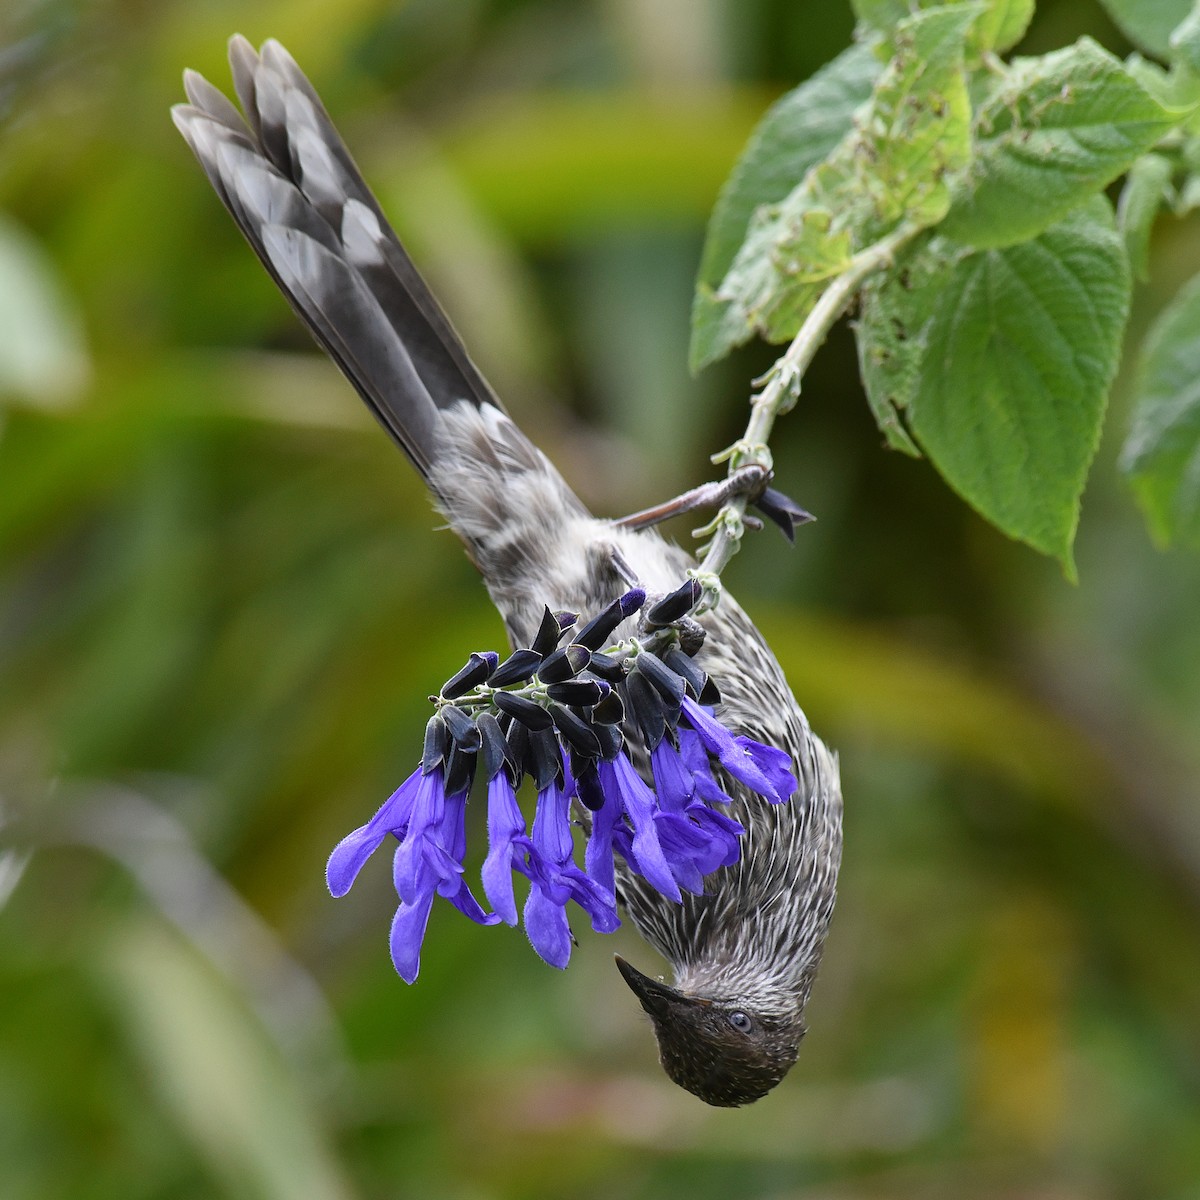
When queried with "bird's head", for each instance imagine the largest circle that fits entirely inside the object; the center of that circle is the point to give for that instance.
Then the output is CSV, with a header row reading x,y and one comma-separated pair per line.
x,y
724,1051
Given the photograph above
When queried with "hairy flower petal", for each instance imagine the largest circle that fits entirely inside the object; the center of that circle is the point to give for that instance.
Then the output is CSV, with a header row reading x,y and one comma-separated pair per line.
x,y
355,848
731,752
408,932
638,801
506,833
427,811
552,823
695,757
547,929
775,764
674,783
598,857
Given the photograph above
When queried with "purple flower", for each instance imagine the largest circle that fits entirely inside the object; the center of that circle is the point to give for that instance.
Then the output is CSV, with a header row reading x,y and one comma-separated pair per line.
x,y
695,758
763,769
556,880
695,839
625,793
431,831
507,846
355,848
673,835
774,763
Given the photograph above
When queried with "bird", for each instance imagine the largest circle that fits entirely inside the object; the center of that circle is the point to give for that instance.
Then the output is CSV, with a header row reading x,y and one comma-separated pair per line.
x,y
744,954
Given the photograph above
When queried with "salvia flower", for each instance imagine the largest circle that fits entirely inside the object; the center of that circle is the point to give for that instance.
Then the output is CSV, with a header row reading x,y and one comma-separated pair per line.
x,y
571,713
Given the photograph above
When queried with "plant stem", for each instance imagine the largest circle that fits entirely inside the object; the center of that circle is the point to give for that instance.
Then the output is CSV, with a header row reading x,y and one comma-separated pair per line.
x,y
779,393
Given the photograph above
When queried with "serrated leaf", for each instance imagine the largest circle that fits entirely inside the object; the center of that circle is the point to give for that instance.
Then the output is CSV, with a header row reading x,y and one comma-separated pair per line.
x,y
1161,456
892,167
1148,23
1054,130
888,364
918,129
797,132
815,252
1000,24
1146,187
1000,362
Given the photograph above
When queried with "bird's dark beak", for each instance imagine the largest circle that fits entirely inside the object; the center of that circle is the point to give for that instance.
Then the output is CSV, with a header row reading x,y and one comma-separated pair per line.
x,y
655,997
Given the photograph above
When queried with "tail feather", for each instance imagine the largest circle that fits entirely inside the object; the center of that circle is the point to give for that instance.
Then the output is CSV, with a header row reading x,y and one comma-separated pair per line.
x,y
289,182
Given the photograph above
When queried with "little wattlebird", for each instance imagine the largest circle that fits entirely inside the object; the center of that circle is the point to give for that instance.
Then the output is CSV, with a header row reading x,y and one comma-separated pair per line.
x,y
745,949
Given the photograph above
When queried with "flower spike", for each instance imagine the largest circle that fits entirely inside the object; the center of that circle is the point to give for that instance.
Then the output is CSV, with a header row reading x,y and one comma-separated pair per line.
x,y
574,718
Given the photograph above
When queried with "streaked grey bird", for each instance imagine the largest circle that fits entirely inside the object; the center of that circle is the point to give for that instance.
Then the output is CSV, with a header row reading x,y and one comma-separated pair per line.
x,y
745,953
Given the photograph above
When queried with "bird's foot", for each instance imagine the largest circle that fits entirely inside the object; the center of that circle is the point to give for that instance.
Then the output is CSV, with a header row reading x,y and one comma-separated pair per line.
x,y
750,480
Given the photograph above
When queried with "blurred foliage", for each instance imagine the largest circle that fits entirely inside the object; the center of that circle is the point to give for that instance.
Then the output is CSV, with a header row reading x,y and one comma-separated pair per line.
x,y
222,601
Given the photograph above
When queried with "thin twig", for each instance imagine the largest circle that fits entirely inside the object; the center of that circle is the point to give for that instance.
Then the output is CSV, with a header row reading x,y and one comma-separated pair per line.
x,y
779,393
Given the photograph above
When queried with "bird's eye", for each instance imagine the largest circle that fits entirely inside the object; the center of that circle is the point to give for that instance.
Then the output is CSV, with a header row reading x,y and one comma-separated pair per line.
x,y
741,1022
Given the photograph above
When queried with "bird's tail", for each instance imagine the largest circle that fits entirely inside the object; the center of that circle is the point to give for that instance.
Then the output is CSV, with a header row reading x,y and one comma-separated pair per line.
x,y
289,182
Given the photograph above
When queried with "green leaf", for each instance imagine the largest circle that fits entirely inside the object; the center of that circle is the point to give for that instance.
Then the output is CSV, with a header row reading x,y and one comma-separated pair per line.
x,y
881,15
1162,453
1146,186
889,363
1176,89
1185,40
1148,23
917,130
892,167
1000,361
1003,25
43,357
797,132
1054,130
1000,24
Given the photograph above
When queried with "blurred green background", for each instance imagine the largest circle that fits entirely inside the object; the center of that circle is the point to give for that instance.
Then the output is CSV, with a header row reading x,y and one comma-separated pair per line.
x,y
223,600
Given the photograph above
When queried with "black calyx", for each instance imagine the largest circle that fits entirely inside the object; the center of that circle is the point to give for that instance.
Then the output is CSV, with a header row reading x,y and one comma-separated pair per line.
x,y
674,606
564,664
477,669
462,728
580,693
517,737
518,667
783,511
685,667
532,716
437,743
609,710
460,770
597,631
495,751
610,738
667,683
549,631
647,709
576,732
608,667
542,762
